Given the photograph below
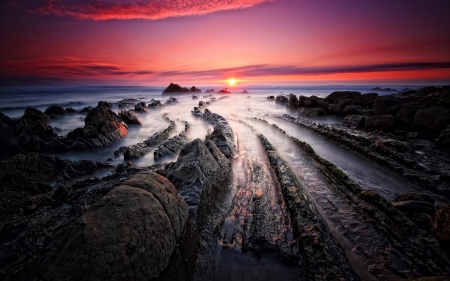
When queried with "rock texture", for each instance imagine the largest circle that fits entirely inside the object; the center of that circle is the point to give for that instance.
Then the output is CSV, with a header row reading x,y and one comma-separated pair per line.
x,y
222,135
172,146
130,117
175,88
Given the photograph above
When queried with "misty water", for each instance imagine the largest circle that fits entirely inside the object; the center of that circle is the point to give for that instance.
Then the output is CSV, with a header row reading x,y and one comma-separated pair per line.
x,y
255,209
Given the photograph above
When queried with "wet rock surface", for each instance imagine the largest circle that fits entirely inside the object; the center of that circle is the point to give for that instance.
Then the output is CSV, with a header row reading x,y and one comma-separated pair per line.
x,y
222,135
172,146
130,117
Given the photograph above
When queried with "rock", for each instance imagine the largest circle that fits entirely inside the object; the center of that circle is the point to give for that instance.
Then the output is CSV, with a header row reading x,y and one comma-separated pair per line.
x,y
154,103
310,112
305,102
354,121
222,135
197,112
445,97
55,110
141,106
210,91
444,137
270,97
381,122
34,114
201,103
244,92
175,88
352,110
224,91
130,117
386,105
365,101
333,97
339,107
70,110
414,206
86,109
293,102
194,97
406,113
440,224
131,232
410,195
171,100
172,146
194,89
127,102
104,104
282,99
432,119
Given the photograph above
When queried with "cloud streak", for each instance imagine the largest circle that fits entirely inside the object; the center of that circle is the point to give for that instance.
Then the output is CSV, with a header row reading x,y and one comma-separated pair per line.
x,y
271,70
128,9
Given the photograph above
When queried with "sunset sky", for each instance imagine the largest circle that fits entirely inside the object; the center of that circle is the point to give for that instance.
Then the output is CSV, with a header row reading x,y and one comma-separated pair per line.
x,y
194,42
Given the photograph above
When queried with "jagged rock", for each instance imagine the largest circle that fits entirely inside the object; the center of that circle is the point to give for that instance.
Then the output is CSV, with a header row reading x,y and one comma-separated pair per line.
x,y
270,97
432,119
55,110
172,146
334,96
352,110
127,102
414,206
365,101
154,103
175,88
410,195
305,102
34,114
440,224
201,103
222,135
406,113
339,107
70,110
197,112
354,121
86,109
141,106
194,89
171,100
129,233
293,102
386,105
282,99
310,112
381,122
130,117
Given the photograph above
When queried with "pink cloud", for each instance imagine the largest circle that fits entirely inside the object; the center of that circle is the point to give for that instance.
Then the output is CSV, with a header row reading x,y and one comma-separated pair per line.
x,y
126,9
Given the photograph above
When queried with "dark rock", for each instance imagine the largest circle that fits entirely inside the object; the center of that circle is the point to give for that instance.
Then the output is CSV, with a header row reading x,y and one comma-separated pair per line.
x,y
75,134
222,135
127,102
282,99
339,107
444,137
175,88
104,104
201,103
171,100
352,110
172,146
365,101
306,102
70,110
333,97
194,89
194,97
406,113
141,106
293,102
120,244
224,91
270,97
440,224
130,117
55,110
197,112
86,109
386,105
381,122
34,114
410,195
354,121
445,97
310,112
414,206
155,103
432,119
244,92
210,91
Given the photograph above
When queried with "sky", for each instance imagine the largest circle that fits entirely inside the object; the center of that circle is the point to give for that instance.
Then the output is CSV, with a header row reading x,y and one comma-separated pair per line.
x,y
194,42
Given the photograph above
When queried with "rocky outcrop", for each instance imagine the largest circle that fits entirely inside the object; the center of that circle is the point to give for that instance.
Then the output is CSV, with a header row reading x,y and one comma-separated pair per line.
x,y
196,112
444,99
365,101
194,89
70,110
432,119
127,102
130,117
293,102
171,100
386,105
141,106
175,88
338,108
172,146
55,110
440,224
381,122
310,112
354,121
132,232
338,95
222,135
155,103
282,99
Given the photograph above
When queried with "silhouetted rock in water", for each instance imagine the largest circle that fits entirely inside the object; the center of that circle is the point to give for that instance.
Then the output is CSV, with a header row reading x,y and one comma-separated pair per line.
x,y
130,117
55,110
222,135
310,112
354,121
197,112
194,97
194,89
86,109
172,146
440,225
201,175
141,106
201,104
281,99
380,122
171,100
338,95
244,92
224,91
127,102
175,88
293,102
34,114
111,239
210,91
154,103
270,97
70,110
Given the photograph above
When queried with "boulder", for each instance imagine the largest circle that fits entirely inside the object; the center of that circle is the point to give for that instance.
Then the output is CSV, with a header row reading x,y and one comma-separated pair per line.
x,y
354,121
440,224
352,110
86,109
365,101
130,233
381,122
319,102
34,114
130,117
339,107
432,119
333,97
194,89
70,110
406,113
293,102
141,106
411,195
305,102
386,105
55,110
171,100
175,88
197,112
270,97
282,99
310,112
154,103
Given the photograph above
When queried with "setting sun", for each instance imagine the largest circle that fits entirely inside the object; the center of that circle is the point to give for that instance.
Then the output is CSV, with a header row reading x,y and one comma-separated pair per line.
x,y
232,81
